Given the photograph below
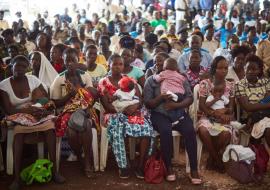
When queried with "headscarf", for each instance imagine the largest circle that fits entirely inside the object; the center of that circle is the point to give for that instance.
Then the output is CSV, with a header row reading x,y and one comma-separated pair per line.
x,y
47,73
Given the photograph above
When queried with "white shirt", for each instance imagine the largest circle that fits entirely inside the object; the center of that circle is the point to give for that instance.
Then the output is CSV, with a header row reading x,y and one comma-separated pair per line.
x,y
211,46
33,83
180,4
220,104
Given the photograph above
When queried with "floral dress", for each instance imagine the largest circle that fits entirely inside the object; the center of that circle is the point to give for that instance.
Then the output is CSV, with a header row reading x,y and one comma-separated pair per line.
x,y
204,91
119,126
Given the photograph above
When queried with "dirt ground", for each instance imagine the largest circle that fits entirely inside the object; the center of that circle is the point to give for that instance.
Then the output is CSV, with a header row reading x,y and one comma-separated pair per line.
x,y
109,180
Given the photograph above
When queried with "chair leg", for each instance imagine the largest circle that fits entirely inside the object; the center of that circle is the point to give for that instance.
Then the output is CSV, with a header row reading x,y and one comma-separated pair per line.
x,y
95,149
40,146
176,146
103,148
58,152
1,160
9,156
132,147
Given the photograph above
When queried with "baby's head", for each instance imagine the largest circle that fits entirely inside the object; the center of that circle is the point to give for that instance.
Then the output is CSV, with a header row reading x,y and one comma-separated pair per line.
x,y
39,96
170,64
126,84
218,89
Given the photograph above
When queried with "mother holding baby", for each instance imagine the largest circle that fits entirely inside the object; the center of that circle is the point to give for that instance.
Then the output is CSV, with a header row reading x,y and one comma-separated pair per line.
x,y
161,107
215,139
129,122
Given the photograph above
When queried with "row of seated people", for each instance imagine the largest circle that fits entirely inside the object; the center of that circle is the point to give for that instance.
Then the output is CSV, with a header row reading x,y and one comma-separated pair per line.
x,y
128,113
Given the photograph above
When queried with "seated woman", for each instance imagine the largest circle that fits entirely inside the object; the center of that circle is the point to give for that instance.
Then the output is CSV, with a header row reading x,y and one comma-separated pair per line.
x,y
215,139
251,92
158,64
130,122
14,92
72,90
236,72
159,107
42,69
129,70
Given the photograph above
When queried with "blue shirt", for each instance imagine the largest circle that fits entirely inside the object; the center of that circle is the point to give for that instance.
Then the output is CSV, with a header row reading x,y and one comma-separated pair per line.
x,y
206,4
183,61
224,35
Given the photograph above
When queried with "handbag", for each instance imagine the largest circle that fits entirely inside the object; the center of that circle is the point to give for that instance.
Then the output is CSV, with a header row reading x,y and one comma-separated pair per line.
x,y
79,120
240,170
262,158
40,171
155,170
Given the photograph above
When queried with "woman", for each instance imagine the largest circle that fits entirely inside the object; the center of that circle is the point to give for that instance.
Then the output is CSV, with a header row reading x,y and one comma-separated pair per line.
x,y
16,91
129,70
215,140
44,44
249,92
72,89
119,125
97,71
56,57
42,69
195,72
155,101
158,64
236,72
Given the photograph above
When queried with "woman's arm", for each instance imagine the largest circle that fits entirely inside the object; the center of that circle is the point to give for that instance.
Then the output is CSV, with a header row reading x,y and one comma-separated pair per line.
x,y
10,109
177,105
249,107
204,108
106,104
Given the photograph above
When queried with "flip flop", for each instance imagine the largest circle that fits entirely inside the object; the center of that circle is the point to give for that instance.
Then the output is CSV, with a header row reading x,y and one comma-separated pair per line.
x,y
171,178
195,181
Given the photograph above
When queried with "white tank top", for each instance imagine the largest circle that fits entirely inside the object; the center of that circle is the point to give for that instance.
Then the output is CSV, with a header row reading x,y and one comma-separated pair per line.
x,y
5,85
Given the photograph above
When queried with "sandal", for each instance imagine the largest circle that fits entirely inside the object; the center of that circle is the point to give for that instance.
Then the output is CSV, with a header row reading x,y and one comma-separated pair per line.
x,y
195,181
171,178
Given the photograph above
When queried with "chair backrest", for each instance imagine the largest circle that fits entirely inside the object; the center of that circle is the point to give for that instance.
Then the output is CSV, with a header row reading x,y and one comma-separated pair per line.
x,y
195,106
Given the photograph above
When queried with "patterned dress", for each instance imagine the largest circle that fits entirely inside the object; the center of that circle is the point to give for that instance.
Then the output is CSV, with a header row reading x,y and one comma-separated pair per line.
x,y
118,126
204,91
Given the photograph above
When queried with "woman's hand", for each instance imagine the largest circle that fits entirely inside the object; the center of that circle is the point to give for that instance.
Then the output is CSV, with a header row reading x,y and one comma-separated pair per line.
x,y
170,105
165,97
130,110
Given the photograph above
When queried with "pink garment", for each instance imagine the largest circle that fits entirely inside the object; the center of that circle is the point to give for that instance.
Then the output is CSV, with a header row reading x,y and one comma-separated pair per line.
x,y
171,81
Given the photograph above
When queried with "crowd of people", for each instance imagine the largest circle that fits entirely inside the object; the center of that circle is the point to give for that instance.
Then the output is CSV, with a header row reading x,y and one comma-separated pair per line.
x,y
142,65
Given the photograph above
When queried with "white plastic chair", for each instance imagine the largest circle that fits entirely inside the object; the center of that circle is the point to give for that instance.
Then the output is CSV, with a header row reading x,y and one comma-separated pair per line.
x,y
104,142
94,147
193,112
9,156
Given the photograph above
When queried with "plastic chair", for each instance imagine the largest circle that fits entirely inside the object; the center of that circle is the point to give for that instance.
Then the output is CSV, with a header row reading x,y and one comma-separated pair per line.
x,y
9,156
193,112
94,147
104,142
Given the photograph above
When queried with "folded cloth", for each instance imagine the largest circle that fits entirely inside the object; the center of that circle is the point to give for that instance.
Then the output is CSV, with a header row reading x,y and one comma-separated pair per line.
x,y
259,128
244,153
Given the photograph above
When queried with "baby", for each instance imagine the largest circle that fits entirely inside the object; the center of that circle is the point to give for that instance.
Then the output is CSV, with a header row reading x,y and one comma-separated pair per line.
x,y
126,95
172,83
218,102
